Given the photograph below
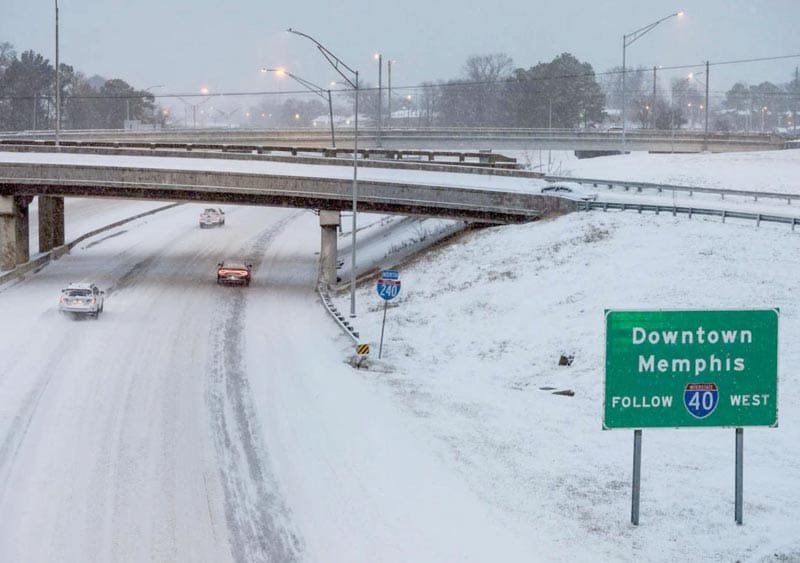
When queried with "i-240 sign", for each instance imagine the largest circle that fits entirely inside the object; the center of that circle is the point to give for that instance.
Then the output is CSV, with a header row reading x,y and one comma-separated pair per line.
x,y
389,284
691,368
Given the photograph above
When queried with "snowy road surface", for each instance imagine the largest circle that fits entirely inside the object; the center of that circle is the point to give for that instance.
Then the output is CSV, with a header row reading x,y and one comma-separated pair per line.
x,y
193,422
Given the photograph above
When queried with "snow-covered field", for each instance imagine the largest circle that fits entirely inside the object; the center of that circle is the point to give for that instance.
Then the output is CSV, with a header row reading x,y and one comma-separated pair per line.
x,y
198,423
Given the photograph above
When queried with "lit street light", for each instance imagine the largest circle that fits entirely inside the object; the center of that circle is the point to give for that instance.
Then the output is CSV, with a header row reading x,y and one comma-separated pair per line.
x,y
692,76
313,88
194,107
351,79
627,40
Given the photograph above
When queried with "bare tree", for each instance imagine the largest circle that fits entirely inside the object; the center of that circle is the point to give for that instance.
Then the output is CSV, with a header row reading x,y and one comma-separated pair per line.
x,y
488,68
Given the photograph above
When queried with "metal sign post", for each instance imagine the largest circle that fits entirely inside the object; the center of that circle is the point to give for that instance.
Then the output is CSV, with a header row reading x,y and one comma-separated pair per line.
x,y
637,476
678,369
739,486
388,288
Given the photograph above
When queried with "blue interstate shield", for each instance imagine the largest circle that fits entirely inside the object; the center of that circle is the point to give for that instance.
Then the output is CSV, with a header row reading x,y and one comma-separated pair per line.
x,y
701,399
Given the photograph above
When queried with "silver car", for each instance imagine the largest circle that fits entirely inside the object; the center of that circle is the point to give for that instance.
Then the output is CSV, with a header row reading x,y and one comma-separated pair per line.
x,y
81,299
569,190
212,217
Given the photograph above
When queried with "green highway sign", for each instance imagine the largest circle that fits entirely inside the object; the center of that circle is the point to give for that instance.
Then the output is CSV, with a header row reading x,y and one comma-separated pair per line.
x,y
691,368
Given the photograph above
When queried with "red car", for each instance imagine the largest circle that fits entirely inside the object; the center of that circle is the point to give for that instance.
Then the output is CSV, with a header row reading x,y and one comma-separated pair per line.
x,y
233,273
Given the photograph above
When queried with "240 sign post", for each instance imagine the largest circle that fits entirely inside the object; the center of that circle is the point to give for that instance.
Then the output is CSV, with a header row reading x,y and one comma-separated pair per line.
x,y
388,287
696,368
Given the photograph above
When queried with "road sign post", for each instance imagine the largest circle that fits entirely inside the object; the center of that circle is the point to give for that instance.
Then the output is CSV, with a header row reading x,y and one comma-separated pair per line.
x,y
388,288
678,369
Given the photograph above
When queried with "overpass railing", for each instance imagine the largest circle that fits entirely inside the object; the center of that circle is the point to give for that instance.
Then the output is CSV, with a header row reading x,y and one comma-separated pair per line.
x,y
472,133
690,211
639,186
475,158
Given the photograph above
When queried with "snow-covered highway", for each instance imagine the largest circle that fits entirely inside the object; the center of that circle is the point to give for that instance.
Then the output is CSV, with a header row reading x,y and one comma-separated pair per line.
x,y
194,422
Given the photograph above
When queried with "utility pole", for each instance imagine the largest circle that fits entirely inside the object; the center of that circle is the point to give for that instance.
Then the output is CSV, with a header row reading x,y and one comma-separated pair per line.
x,y
653,103
58,85
379,56
796,97
389,78
705,136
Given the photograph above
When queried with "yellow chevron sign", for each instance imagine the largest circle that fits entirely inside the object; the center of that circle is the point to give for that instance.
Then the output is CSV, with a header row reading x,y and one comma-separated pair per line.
x,y
363,349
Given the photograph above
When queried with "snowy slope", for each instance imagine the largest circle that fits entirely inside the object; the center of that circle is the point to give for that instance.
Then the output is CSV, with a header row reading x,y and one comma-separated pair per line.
x,y
197,423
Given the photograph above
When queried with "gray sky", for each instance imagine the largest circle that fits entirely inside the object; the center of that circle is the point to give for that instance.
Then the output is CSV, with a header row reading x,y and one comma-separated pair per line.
x,y
186,45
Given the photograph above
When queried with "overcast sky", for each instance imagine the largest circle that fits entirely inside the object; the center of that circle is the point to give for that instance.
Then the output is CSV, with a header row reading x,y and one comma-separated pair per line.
x,y
186,46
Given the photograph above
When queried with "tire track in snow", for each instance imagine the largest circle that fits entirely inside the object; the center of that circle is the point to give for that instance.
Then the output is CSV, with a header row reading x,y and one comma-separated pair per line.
x,y
18,429
259,523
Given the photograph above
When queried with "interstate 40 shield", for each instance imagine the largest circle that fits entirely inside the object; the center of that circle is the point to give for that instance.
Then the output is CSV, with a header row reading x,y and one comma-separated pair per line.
x,y
668,368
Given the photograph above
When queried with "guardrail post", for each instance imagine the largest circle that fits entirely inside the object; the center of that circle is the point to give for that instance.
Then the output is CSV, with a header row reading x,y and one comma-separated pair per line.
x,y
793,222
723,215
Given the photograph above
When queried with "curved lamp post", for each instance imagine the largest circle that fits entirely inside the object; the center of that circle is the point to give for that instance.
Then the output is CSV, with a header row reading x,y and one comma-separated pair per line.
x,y
322,93
627,40
58,86
705,84
351,77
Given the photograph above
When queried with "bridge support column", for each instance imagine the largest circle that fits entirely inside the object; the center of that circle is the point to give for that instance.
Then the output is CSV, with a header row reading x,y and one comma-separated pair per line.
x,y
51,222
329,222
14,229
22,228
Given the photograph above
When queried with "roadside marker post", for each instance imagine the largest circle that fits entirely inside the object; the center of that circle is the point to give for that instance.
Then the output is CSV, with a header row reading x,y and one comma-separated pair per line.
x,y
695,368
388,288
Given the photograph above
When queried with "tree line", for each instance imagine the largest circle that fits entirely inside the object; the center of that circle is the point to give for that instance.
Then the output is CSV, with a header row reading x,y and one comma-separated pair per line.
x,y
489,92
27,96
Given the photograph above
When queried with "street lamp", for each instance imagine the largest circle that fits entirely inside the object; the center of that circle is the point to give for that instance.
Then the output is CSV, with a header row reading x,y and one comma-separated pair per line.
x,y
352,79
204,91
313,88
379,57
389,93
58,85
627,40
705,83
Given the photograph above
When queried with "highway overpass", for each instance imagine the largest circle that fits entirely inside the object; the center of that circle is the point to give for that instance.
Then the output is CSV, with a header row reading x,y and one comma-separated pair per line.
x,y
52,176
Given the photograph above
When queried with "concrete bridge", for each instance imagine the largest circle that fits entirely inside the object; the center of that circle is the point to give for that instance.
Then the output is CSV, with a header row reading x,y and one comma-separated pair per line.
x,y
446,138
51,177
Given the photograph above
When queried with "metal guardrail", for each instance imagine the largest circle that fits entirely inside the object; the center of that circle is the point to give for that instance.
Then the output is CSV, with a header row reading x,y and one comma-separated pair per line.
x,y
675,210
644,137
595,182
480,158
335,314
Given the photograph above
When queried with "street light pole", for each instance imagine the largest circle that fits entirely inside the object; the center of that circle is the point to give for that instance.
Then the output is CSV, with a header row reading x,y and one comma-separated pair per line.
x,y
706,82
321,92
389,100
627,40
705,135
379,57
338,65
58,85
653,103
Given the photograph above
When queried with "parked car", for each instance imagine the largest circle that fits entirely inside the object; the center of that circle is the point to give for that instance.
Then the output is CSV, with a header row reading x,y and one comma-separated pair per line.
x,y
81,299
233,273
212,217
569,190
